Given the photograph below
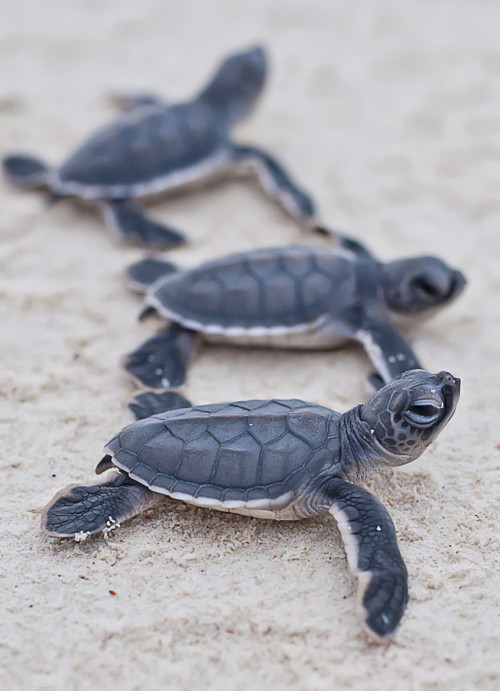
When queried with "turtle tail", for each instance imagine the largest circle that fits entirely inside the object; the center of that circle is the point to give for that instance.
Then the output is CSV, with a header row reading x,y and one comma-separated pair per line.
x,y
141,275
25,171
82,510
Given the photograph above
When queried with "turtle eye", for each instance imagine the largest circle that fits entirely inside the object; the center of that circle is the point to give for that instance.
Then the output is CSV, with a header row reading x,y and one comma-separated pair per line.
x,y
424,413
427,288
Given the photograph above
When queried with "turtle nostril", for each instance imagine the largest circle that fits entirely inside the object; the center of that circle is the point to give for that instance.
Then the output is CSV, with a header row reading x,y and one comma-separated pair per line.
x,y
446,377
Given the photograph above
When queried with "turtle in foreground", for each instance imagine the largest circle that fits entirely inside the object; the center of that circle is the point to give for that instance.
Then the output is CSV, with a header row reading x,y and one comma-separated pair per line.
x,y
288,297
279,459
155,147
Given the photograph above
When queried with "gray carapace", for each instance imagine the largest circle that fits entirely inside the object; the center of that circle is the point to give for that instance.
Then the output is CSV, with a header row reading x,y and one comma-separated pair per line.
x,y
279,459
156,147
287,297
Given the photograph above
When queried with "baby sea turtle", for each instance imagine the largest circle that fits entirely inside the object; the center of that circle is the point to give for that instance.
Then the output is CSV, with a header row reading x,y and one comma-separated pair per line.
x,y
279,459
157,147
289,297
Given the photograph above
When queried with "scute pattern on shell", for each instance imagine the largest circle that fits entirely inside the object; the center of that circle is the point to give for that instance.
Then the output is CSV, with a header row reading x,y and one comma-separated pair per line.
x,y
239,451
144,145
278,287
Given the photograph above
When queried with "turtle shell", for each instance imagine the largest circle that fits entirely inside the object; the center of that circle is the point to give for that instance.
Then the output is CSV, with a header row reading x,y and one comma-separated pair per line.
x,y
149,144
254,454
280,288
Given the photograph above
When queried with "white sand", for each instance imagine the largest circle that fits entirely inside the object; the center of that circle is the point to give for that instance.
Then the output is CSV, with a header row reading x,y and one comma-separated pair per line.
x,y
389,112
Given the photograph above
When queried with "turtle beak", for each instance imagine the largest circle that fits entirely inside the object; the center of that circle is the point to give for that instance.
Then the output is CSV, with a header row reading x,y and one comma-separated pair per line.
x,y
457,284
450,389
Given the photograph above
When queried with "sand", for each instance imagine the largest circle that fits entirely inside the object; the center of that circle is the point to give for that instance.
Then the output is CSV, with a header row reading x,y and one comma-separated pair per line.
x,y
389,112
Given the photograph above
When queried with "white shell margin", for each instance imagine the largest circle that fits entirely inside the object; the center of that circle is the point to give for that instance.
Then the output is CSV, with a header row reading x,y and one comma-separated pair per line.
x,y
217,164
257,508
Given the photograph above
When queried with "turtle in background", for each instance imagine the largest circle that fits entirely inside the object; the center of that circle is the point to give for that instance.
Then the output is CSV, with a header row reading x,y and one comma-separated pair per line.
x,y
288,297
278,459
155,147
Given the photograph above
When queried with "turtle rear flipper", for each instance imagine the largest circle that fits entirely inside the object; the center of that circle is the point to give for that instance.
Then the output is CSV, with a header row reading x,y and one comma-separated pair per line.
x,y
153,402
141,275
126,219
25,171
161,361
82,510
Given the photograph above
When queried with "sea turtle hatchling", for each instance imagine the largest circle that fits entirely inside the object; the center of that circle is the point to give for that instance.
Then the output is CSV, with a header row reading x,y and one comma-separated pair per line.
x,y
155,147
279,459
289,297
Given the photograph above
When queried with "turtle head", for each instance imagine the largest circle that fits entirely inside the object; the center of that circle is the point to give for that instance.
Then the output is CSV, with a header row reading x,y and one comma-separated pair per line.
x,y
407,415
420,285
237,84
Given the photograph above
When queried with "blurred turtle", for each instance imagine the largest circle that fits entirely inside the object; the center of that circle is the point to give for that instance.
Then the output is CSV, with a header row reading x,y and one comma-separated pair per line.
x,y
155,147
287,297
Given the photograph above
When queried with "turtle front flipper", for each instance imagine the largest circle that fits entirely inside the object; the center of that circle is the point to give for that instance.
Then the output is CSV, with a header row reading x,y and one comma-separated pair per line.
x,y
126,219
276,182
388,350
141,275
151,403
373,555
161,361
82,510
25,171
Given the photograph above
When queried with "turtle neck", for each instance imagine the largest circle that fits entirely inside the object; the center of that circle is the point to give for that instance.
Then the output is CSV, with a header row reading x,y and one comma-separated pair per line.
x,y
360,451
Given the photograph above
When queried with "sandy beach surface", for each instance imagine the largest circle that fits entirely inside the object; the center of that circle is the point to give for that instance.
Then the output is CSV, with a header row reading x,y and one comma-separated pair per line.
x,y
390,114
